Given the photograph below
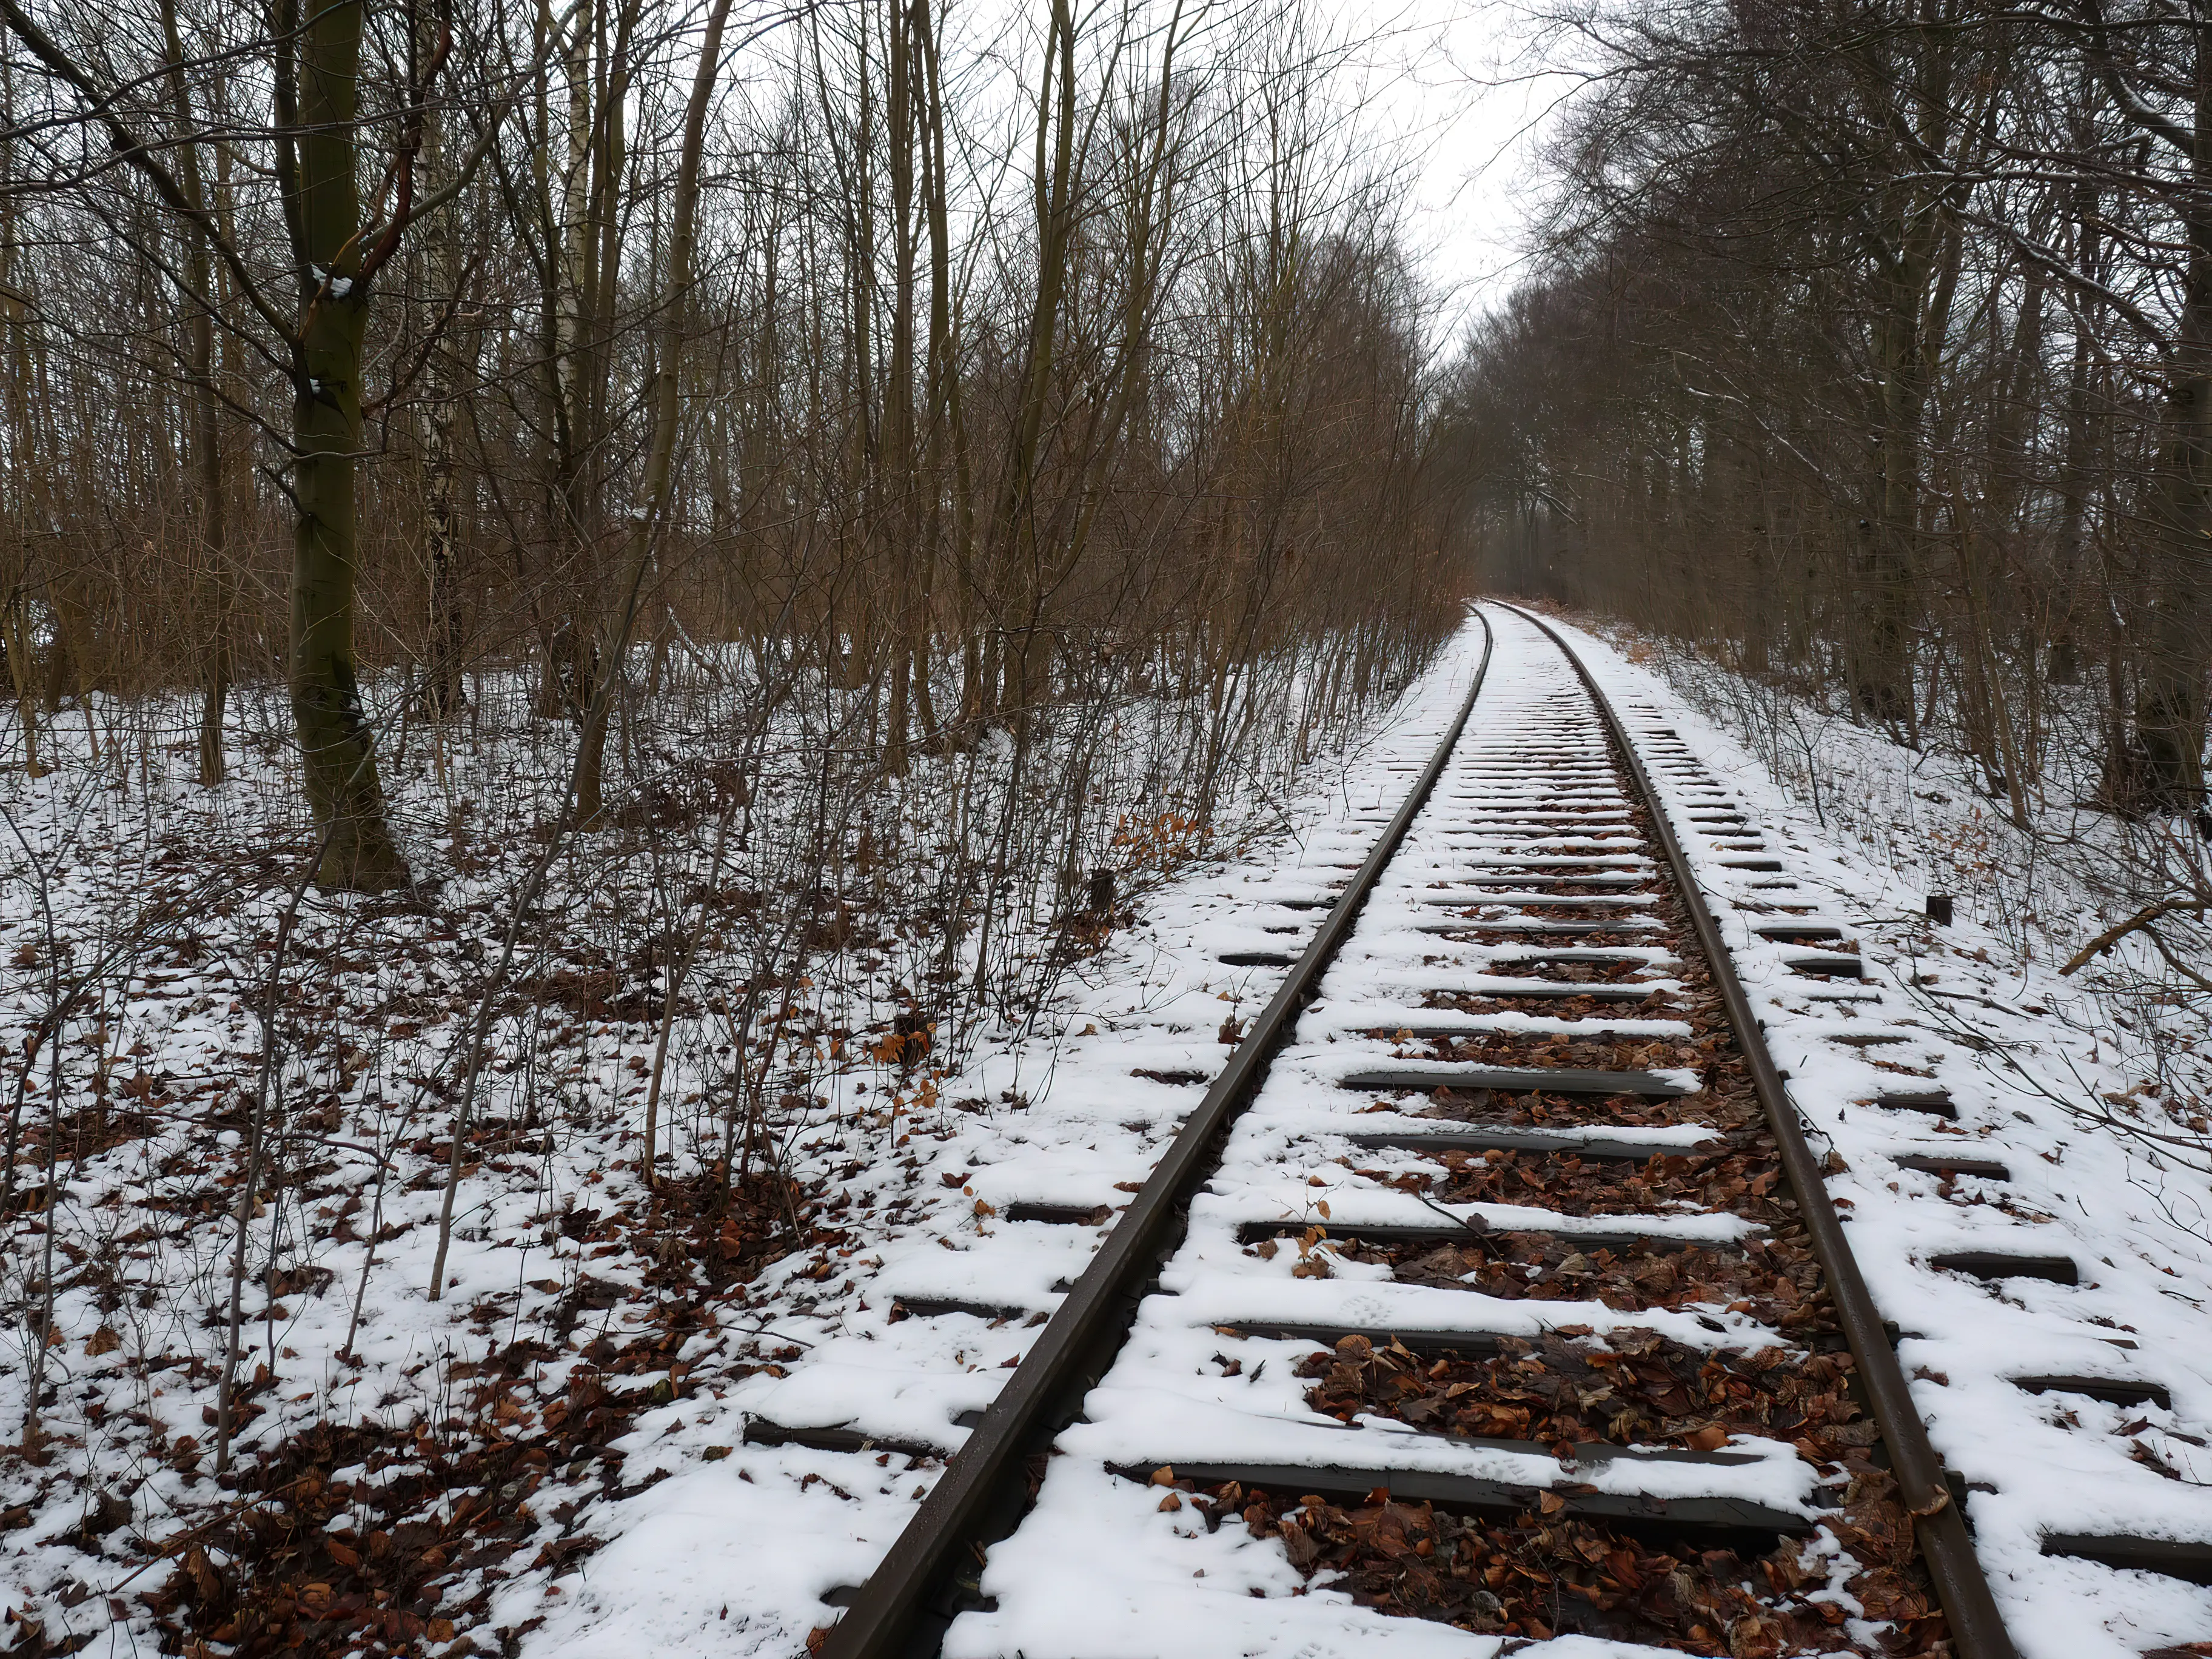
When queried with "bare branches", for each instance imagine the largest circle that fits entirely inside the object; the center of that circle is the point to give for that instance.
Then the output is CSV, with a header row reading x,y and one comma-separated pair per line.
x,y
2144,921
137,152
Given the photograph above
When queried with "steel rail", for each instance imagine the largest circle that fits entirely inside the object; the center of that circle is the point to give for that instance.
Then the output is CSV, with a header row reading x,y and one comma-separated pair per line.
x,y
914,1593
1976,1628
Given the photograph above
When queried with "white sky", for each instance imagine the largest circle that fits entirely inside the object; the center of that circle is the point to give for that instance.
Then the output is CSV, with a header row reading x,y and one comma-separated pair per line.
x,y
1447,85
1451,81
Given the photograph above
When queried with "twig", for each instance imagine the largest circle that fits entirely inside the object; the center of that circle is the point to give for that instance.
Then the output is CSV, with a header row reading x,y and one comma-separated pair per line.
x,y
227,1396
2135,924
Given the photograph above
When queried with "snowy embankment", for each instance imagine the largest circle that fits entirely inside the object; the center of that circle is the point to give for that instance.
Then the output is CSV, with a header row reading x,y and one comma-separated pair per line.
x,y
768,1532
735,1551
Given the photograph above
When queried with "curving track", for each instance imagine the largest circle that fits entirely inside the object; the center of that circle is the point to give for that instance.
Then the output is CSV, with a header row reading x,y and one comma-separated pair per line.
x,y
1494,1276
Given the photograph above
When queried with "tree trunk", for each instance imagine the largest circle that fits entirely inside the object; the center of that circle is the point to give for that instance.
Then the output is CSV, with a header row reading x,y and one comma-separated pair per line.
x,y
897,467
335,742
2170,707
214,586
2064,663
442,513
1054,188
1882,666
17,643
948,426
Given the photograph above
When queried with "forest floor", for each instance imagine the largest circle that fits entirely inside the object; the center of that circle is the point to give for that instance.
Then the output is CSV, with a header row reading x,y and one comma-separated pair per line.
x,y
793,973
550,1457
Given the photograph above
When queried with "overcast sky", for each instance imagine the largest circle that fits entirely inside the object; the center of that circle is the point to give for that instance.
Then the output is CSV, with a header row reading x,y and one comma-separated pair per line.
x,y
1446,84
1450,77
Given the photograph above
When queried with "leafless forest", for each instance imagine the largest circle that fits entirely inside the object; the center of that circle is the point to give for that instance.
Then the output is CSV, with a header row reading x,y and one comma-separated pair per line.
x,y
1876,346
579,584
412,345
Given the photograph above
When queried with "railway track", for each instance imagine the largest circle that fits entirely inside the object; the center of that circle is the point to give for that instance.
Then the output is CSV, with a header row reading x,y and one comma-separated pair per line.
x,y
1493,1277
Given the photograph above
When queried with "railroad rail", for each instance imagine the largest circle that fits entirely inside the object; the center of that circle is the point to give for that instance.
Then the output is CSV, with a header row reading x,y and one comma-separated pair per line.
x,y
1514,1056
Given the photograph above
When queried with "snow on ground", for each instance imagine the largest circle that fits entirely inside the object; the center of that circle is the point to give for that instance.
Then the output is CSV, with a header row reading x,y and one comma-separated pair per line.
x,y
1921,820
1085,1128
1102,1567
708,1544
1099,1562
541,1462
